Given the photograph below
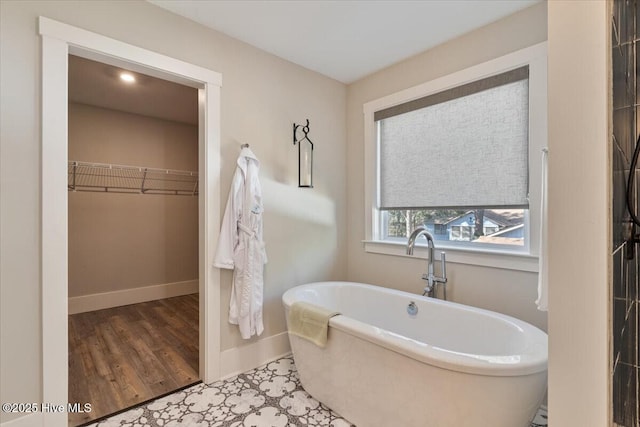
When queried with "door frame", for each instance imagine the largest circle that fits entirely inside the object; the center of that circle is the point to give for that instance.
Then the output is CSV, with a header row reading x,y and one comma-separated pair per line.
x,y
58,41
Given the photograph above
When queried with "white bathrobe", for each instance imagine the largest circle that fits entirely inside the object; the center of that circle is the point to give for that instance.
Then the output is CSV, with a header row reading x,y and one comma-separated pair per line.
x,y
241,247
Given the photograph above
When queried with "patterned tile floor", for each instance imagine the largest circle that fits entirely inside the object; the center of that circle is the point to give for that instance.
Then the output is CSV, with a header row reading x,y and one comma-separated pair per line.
x,y
268,396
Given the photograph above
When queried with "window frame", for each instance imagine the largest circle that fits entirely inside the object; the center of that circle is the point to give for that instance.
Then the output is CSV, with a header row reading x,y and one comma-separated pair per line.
x,y
524,258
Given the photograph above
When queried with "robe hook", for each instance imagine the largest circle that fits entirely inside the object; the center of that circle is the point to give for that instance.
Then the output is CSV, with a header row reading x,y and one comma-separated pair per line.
x,y
305,130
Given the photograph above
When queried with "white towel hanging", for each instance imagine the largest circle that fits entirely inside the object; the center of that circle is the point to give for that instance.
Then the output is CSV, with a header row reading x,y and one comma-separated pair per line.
x,y
543,273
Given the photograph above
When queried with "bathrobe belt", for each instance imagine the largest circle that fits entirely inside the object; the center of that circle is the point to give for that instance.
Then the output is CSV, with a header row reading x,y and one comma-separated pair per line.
x,y
252,234
247,230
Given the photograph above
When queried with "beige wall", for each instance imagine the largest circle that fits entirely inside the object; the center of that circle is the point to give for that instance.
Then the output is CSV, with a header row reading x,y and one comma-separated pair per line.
x,y
124,241
579,176
506,291
262,95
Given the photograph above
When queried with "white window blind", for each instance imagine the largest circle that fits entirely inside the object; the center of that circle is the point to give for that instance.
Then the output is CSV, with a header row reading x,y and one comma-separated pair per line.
x,y
464,147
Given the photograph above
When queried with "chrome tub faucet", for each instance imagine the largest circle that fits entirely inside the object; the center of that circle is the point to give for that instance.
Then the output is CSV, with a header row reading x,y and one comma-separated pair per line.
x,y
431,279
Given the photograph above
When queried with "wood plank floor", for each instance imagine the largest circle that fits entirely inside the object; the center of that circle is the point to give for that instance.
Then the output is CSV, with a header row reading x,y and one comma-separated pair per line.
x,y
122,356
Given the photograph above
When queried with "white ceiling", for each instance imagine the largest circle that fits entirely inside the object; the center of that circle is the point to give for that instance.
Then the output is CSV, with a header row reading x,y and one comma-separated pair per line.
x,y
345,40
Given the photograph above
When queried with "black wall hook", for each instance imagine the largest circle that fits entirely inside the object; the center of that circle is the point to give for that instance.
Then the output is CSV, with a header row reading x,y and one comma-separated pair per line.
x,y
305,130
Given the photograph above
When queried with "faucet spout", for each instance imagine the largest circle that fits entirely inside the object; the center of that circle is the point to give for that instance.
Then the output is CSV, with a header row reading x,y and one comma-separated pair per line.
x,y
430,277
420,231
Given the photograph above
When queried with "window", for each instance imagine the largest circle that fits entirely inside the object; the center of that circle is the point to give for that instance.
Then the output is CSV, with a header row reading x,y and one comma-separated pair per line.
x,y
464,147
461,232
455,225
460,155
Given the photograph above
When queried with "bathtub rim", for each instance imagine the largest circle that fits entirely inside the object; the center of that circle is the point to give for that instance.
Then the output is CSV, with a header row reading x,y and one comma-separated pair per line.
x,y
532,361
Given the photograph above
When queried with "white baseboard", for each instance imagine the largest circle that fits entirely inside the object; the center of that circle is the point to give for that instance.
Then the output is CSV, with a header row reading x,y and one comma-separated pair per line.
x,y
131,296
244,358
30,420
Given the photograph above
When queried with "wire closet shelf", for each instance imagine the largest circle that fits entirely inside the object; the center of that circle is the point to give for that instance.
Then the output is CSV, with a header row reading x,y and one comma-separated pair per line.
x,y
108,178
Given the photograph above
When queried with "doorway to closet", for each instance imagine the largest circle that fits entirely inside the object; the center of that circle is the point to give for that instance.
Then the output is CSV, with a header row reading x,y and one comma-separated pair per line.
x,y
133,238
59,40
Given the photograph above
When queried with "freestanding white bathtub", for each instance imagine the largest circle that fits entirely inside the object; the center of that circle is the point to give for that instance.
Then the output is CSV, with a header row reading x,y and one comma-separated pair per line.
x,y
449,365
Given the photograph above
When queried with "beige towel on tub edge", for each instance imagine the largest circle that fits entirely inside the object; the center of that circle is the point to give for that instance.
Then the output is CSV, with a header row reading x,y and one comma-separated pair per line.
x,y
310,322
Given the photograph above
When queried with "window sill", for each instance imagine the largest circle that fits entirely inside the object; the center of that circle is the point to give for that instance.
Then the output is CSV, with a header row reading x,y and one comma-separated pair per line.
x,y
508,260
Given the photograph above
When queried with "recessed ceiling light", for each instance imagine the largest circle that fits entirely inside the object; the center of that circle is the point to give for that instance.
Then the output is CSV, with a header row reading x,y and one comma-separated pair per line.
x,y
127,77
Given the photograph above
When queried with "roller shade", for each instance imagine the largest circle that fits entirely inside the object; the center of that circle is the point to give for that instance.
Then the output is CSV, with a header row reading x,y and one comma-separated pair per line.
x,y
465,147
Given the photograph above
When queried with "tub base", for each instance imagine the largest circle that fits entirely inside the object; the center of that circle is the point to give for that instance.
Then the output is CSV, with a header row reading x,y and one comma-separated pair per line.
x,y
372,386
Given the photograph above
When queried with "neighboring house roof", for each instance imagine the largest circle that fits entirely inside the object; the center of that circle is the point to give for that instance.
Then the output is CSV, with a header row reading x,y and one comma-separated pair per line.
x,y
497,237
505,217
507,230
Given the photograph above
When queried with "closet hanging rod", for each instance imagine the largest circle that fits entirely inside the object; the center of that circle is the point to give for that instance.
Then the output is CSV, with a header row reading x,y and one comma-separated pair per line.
x,y
111,178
